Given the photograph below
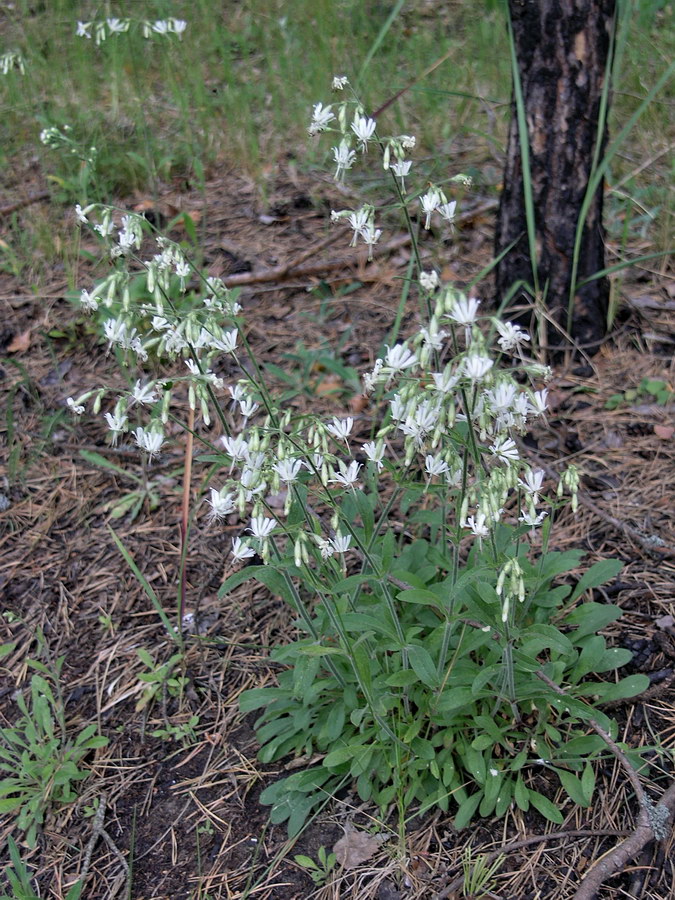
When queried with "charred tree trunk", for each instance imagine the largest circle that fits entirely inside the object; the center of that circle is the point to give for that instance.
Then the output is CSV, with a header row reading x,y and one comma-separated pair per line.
x,y
562,49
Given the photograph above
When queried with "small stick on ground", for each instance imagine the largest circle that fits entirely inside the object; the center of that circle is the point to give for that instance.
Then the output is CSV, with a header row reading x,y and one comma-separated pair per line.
x,y
19,204
97,831
654,821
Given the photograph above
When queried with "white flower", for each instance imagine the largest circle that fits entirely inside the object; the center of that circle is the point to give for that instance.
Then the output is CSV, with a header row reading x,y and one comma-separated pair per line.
x,y
237,447
528,518
341,428
178,26
116,423
433,340
447,210
144,393
539,402
399,358
359,220
444,381
505,448
80,215
364,129
193,366
370,237
477,525
221,504
161,26
241,551
370,379
261,527
398,408
322,116
534,478
341,542
340,82
401,168
83,30
430,202
502,397
429,280
477,367
150,441
78,410
421,422
512,336
464,311
375,453
434,465
228,342
343,158
348,475
117,26
247,407
288,469
89,301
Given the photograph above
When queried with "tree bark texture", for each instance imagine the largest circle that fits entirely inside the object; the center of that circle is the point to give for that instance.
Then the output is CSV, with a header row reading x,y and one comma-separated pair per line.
x,y
562,50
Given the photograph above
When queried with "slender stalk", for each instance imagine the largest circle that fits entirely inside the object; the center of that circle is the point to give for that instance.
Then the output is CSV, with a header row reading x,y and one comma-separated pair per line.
x,y
185,514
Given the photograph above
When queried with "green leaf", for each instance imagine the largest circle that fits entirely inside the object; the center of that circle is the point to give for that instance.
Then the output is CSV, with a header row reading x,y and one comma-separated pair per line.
x,y
402,678
466,810
572,786
257,698
630,686
96,459
423,665
6,649
588,782
521,795
420,596
591,617
545,807
598,574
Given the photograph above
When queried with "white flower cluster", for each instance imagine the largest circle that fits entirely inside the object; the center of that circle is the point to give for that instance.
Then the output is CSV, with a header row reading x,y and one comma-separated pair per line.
x,y
12,61
357,131
101,29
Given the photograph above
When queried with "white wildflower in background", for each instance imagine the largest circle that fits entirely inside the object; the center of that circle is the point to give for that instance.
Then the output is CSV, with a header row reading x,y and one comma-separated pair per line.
x,y
445,381
340,543
531,519
322,116
340,82
74,407
447,210
399,358
144,393
241,551
477,524
534,479
288,470
375,453
344,158
539,403
83,30
429,281
227,343
150,441
117,423
177,27
434,465
401,168
89,301
348,475
505,449
370,237
12,61
407,141
341,428
222,504
477,367
364,129
237,447
511,336
261,527
430,203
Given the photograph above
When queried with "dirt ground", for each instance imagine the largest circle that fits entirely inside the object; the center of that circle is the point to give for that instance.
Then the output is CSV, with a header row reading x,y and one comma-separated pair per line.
x,y
185,818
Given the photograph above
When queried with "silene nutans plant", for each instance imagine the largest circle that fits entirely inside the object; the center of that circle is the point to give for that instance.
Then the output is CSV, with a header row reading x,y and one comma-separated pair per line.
x,y
402,538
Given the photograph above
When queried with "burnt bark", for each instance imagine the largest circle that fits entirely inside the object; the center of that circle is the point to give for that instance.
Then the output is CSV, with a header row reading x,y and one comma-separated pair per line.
x,y
562,49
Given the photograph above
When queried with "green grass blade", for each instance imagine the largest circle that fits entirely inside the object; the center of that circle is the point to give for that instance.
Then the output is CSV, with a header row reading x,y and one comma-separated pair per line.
x,y
147,587
377,43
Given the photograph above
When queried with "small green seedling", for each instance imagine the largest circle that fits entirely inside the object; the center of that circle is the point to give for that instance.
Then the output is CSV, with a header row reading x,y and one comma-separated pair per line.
x,y
660,391
319,871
